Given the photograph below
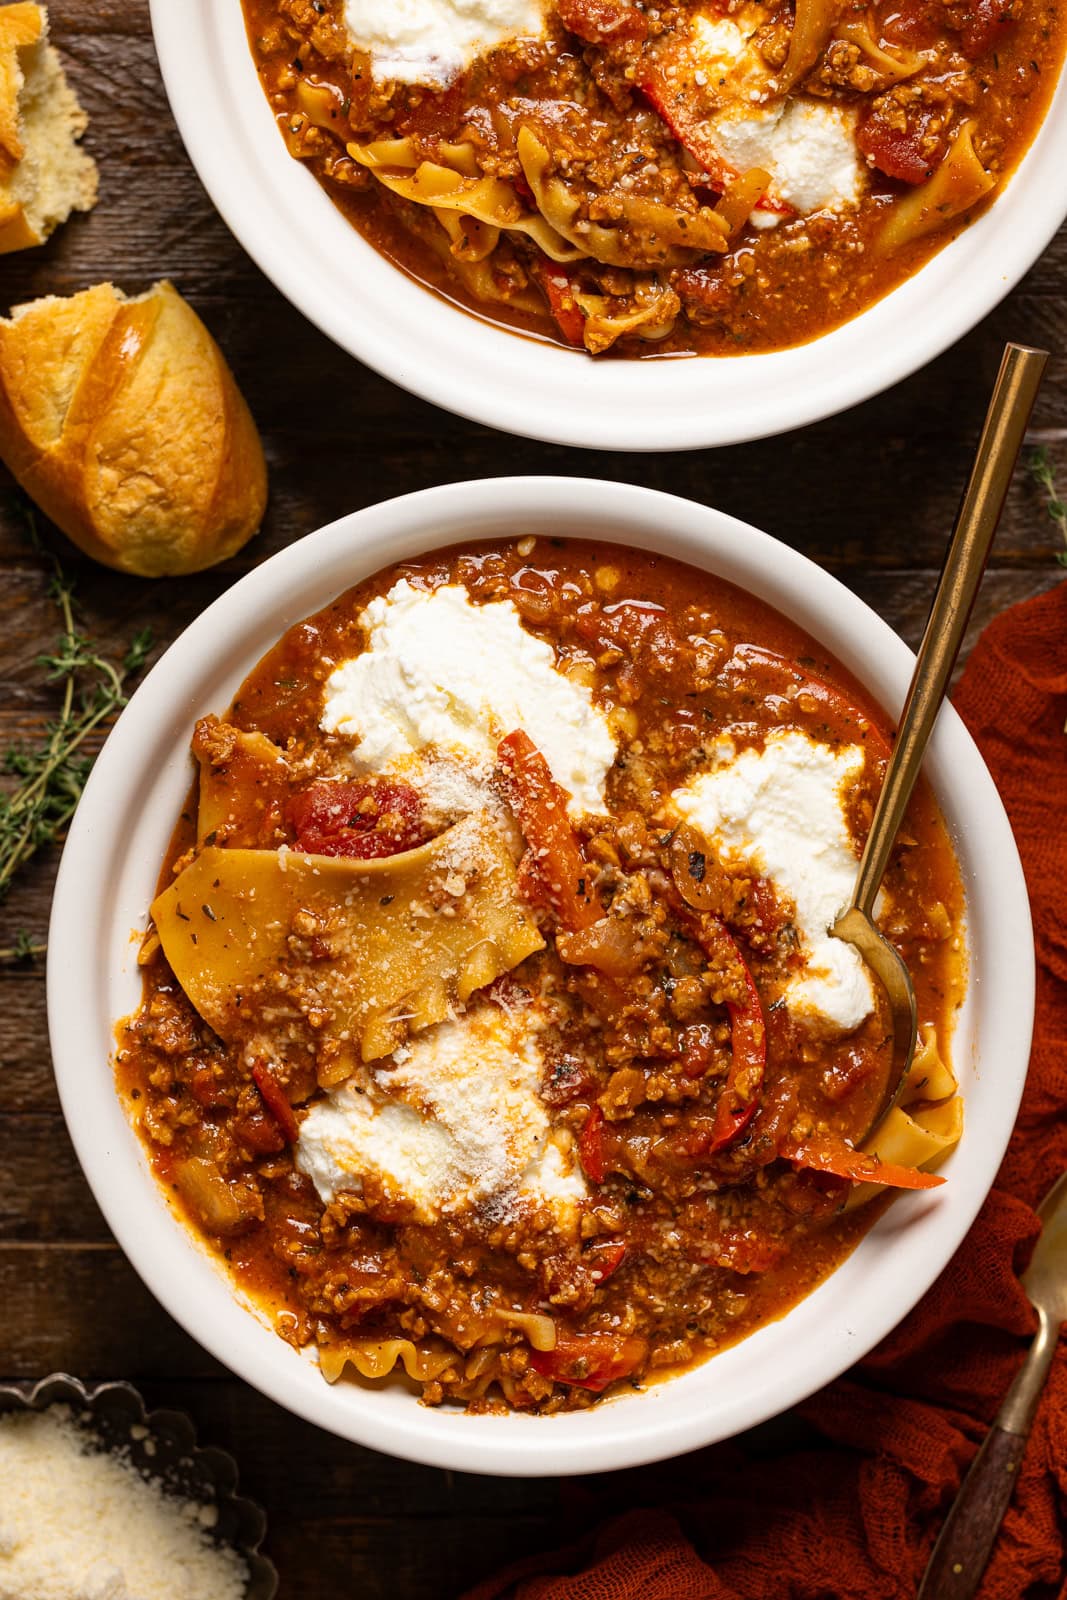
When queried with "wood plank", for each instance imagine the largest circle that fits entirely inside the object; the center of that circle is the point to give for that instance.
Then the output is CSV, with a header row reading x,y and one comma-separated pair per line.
x,y
314,1474
26,1082
417,1561
43,1195
82,1309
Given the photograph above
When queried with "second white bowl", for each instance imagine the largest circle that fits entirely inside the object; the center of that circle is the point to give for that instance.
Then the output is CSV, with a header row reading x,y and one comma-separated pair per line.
x,y
288,224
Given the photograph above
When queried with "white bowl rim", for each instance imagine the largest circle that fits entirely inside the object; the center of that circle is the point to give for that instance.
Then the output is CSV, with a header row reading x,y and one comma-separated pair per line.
x,y
145,764
294,233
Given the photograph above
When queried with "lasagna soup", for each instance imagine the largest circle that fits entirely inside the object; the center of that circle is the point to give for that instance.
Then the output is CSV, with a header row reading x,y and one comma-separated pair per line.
x,y
492,1028
707,175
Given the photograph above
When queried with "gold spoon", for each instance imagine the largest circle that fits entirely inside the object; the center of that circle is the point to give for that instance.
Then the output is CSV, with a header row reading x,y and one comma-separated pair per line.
x,y
976,523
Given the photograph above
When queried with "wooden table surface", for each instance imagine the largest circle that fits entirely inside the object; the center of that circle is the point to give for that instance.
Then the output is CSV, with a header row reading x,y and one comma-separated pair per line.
x,y
870,495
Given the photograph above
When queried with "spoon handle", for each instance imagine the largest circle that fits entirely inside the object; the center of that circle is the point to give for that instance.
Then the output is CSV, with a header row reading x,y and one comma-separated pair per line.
x,y
963,1546
976,523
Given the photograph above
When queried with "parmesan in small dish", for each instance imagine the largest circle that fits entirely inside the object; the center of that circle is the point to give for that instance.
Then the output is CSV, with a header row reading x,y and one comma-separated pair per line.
x,y
100,1500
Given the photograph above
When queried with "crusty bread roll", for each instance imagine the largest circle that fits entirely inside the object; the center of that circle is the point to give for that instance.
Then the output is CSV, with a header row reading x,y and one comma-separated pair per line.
x,y
44,175
123,422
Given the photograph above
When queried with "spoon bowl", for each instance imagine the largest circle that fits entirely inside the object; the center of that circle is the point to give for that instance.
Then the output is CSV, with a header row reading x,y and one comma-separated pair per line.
x,y
856,928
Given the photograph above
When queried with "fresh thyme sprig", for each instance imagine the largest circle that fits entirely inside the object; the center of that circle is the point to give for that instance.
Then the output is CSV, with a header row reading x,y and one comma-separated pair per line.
x,y
1043,474
23,948
51,774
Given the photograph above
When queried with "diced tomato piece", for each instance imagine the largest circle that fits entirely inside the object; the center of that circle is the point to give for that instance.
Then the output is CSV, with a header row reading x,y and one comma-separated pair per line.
x,y
698,1047
825,1153
591,1146
740,1097
209,1090
918,24
541,807
704,291
261,1133
276,1101
364,821
692,134
776,208
589,1361
744,1250
605,1257
427,113
895,151
984,26
601,21
765,908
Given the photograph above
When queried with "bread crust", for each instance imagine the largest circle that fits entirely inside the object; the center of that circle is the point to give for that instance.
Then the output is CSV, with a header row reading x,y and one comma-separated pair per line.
x,y
122,420
49,141
21,24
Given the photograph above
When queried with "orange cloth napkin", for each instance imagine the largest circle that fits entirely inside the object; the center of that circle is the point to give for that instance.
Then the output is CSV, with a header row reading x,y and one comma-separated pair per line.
x,y
848,1507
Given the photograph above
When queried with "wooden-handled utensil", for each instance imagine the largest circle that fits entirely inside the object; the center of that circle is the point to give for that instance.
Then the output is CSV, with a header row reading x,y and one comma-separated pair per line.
x,y
962,1550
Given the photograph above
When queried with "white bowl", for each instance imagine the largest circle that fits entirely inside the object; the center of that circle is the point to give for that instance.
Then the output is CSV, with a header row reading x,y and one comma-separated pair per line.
x,y
107,878
297,236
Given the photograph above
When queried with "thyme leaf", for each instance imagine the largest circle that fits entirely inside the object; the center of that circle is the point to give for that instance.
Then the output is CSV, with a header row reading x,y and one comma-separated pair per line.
x,y
23,948
51,773
1043,474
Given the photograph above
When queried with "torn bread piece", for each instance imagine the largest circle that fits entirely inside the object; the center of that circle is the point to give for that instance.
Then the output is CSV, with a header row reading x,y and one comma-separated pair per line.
x,y
122,420
44,173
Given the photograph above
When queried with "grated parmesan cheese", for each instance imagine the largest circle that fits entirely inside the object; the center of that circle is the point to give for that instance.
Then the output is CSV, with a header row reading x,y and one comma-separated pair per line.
x,y
80,1523
454,1122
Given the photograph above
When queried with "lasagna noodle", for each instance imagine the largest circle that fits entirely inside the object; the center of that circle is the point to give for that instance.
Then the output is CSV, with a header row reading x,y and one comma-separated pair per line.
x,y
895,66
359,952
234,765
680,239
957,185
813,24
650,313
927,1122
451,188
377,1358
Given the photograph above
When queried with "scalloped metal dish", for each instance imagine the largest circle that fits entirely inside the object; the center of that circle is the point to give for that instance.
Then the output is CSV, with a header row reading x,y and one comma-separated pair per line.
x,y
161,1444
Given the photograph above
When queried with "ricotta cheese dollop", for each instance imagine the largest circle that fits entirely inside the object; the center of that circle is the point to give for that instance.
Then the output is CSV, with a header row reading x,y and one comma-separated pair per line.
x,y
782,812
440,674
455,1122
807,146
430,41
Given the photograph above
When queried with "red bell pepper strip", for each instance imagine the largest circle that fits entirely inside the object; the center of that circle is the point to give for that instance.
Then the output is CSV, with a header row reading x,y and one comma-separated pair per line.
x,y
691,134
838,705
826,1153
589,1361
740,1097
559,290
275,1100
541,807
688,131
591,1146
